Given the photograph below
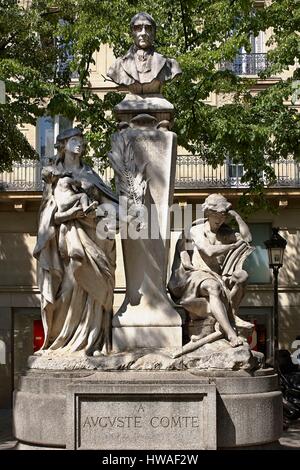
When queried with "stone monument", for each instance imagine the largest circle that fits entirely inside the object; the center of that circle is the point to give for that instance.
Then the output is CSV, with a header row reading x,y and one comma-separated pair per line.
x,y
144,150
151,389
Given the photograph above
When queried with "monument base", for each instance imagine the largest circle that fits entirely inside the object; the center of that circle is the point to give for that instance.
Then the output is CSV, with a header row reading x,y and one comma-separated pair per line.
x,y
147,410
132,337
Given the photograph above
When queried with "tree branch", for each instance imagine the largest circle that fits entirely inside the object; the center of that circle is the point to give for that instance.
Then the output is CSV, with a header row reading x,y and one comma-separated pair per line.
x,y
84,74
186,41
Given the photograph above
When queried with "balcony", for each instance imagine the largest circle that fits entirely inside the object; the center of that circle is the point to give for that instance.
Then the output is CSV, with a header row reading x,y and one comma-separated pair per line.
x,y
246,64
192,172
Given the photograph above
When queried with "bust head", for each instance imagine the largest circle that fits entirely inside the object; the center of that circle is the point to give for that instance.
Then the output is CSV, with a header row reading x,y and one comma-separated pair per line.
x,y
142,70
143,29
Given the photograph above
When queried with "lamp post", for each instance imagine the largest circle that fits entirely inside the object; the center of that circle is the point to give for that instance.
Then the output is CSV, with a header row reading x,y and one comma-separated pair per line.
x,y
275,246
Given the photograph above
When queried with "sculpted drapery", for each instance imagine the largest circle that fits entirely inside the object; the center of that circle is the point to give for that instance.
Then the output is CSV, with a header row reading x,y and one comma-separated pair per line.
x,y
76,268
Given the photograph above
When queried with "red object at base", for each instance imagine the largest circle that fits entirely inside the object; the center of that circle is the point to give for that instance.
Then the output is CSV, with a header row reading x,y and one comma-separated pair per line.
x,y
252,339
38,335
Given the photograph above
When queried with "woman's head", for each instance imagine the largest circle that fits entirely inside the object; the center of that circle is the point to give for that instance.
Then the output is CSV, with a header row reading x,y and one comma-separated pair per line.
x,y
70,140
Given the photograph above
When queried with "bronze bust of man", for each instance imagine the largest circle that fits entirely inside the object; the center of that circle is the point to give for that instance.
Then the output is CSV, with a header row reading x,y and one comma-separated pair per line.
x,y
142,70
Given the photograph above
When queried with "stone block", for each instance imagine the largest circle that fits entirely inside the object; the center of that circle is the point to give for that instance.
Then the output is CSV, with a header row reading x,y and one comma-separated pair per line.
x,y
142,415
51,405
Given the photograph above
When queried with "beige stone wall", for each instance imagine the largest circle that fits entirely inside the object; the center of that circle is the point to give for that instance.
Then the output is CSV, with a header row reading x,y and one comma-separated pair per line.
x,y
103,60
30,134
18,267
17,240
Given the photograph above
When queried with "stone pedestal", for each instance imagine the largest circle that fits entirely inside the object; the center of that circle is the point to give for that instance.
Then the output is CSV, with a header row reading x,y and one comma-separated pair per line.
x,y
154,104
147,318
141,412
147,410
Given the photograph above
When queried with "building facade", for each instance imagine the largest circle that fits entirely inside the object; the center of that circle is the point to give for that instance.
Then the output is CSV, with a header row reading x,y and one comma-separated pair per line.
x,y
20,197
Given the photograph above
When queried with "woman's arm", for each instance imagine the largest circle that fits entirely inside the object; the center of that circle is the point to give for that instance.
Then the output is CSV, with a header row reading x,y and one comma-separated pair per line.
x,y
75,212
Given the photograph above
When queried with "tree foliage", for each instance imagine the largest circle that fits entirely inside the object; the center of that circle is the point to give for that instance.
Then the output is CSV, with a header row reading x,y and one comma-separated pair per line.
x,y
26,67
252,129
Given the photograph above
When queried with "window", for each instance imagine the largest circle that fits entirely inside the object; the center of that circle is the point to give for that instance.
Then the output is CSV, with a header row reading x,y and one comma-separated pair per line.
x,y
48,129
255,62
249,63
63,65
235,173
257,264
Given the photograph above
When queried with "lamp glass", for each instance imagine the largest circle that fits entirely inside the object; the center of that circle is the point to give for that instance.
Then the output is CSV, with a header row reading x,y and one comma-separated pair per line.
x,y
276,256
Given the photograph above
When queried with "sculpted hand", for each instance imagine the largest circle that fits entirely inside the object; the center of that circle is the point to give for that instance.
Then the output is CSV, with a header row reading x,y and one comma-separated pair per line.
x,y
234,214
238,243
76,212
91,215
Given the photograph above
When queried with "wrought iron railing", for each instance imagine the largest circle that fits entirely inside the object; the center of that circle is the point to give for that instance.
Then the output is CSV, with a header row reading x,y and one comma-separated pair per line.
x,y
194,172
246,64
25,176
191,172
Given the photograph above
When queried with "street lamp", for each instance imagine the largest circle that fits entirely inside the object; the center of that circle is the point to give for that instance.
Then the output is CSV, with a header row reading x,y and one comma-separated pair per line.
x,y
275,246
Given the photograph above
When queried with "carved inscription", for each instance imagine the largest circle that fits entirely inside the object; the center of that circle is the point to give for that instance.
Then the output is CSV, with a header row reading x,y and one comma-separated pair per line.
x,y
161,422
113,422
139,421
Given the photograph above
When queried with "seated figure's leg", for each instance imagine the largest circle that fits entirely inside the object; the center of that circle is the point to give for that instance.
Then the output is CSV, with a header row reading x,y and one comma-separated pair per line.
x,y
238,280
212,288
194,304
